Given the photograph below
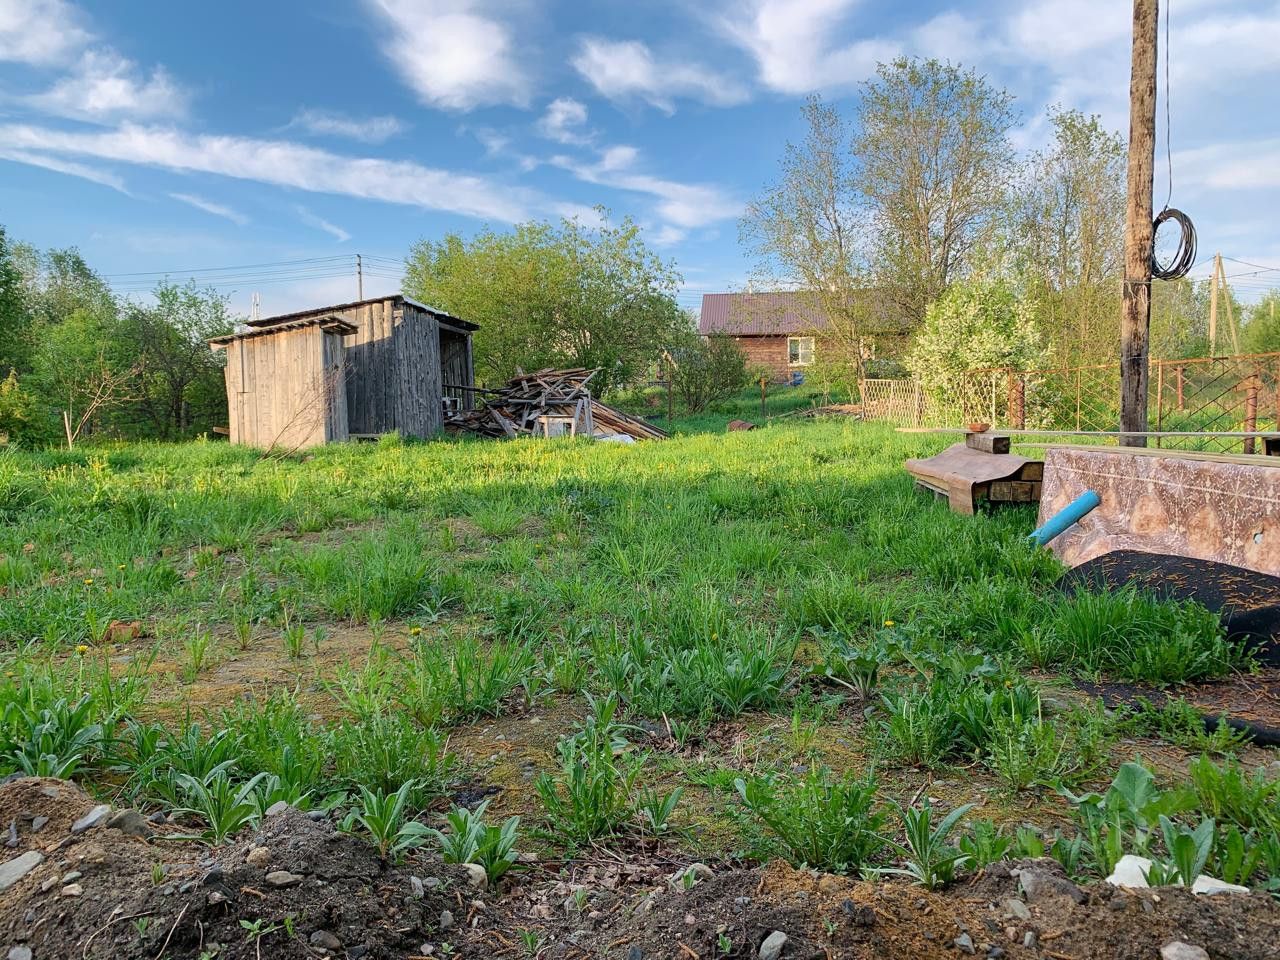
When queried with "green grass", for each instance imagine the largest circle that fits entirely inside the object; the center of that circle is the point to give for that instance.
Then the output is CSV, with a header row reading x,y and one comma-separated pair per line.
x,y
712,581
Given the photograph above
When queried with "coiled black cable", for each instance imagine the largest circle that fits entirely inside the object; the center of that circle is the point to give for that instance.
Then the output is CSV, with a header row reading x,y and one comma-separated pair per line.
x,y
1186,256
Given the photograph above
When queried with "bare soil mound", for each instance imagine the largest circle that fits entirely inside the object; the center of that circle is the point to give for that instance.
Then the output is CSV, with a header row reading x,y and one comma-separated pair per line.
x,y
300,888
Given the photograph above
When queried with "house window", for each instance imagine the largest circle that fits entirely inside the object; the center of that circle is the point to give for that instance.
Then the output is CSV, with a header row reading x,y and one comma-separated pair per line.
x,y
799,351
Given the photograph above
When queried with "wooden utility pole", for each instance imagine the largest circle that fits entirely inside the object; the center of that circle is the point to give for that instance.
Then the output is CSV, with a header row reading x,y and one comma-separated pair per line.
x,y
1135,318
359,278
1213,307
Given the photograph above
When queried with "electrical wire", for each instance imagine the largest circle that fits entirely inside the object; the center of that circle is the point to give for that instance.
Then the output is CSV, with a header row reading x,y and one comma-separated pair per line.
x,y
1185,258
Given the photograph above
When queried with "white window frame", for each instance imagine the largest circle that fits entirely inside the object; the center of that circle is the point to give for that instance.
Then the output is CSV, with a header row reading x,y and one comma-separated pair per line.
x,y
802,344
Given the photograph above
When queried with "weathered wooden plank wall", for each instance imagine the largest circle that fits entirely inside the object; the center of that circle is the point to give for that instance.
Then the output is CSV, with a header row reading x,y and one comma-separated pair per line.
x,y
285,390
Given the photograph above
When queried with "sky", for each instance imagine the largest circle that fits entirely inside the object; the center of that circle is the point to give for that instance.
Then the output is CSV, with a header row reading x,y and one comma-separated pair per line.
x,y
259,147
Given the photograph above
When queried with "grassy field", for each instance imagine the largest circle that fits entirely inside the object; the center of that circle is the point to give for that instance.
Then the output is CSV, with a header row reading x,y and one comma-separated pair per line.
x,y
752,643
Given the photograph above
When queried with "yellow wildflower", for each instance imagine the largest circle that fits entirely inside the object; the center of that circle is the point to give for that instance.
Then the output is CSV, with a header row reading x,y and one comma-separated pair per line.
x,y
414,631
82,649
889,623
88,581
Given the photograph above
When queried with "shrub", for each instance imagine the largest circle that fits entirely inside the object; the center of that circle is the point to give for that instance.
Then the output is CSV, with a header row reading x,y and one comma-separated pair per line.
x,y
707,370
820,822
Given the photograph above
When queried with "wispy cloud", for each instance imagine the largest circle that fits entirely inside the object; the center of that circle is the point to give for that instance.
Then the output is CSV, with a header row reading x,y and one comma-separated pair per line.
x,y
455,54
311,220
278,162
366,130
40,32
105,86
684,205
208,206
72,169
627,69
794,46
565,121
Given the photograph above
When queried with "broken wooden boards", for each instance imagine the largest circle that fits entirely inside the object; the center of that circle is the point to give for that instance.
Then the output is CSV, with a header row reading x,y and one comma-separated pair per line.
x,y
1219,507
980,470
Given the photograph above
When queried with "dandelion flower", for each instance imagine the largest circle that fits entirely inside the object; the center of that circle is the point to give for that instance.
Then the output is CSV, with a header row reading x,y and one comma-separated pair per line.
x,y
889,623
88,581
414,631
82,648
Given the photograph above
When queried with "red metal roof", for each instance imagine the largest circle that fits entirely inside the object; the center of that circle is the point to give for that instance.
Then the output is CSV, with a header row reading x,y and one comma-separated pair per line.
x,y
778,312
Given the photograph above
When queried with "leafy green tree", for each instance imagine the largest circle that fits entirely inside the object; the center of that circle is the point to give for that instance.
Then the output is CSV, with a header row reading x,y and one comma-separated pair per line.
x,y
553,295
15,324
20,419
975,325
1262,330
934,165
78,369
180,383
1068,234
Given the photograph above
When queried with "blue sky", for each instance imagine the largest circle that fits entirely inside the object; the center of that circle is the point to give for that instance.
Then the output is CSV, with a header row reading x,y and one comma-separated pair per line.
x,y
173,137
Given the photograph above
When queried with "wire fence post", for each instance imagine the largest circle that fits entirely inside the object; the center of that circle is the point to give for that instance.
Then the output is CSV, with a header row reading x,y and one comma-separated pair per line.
x,y
1181,402
1159,400
1078,398
1250,411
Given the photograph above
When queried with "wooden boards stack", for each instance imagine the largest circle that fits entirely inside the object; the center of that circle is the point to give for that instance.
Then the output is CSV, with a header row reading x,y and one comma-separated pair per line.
x,y
980,470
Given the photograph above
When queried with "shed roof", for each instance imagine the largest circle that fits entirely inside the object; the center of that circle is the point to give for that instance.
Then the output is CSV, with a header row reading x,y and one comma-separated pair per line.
x,y
398,297
329,323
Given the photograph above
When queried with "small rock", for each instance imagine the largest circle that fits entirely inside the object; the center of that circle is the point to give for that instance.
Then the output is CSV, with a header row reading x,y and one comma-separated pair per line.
x,y
214,875
771,948
158,818
1029,939
415,885
72,890
1177,950
1037,884
317,815
11,871
132,824
39,823
1130,871
50,791
277,808
216,897
1206,885
995,953
49,883
258,857
325,940
19,953
283,878
634,953
71,876
446,919
13,835
964,943
432,883
476,875
1015,909
92,818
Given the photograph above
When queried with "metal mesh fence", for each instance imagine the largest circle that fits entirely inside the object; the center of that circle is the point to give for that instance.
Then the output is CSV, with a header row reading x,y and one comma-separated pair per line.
x,y
1198,395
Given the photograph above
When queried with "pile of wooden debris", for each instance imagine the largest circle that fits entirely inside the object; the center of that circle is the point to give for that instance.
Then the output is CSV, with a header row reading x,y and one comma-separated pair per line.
x,y
549,403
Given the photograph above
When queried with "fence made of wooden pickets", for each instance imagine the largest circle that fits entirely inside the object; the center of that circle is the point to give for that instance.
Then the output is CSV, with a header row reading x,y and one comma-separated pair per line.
x,y
1201,394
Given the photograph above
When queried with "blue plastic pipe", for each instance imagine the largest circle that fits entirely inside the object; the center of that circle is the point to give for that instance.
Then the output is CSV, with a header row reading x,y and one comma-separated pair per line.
x,y
1067,517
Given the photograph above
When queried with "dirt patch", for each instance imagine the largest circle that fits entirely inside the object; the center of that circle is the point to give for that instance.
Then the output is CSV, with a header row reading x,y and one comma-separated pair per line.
x,y
104,894
823,916
138,899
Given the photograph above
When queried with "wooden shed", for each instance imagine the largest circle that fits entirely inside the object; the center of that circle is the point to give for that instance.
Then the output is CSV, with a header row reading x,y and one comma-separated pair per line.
x,y
397,356
286,385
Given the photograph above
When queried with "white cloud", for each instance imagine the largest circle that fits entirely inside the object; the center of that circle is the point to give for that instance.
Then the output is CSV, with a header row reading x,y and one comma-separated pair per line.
x,y
626,69
564,121
1250,165
208,206
684,205
668,236
453,53
792,43
366,130
106,86
953,37
311,220
281,163
70,168
40,32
